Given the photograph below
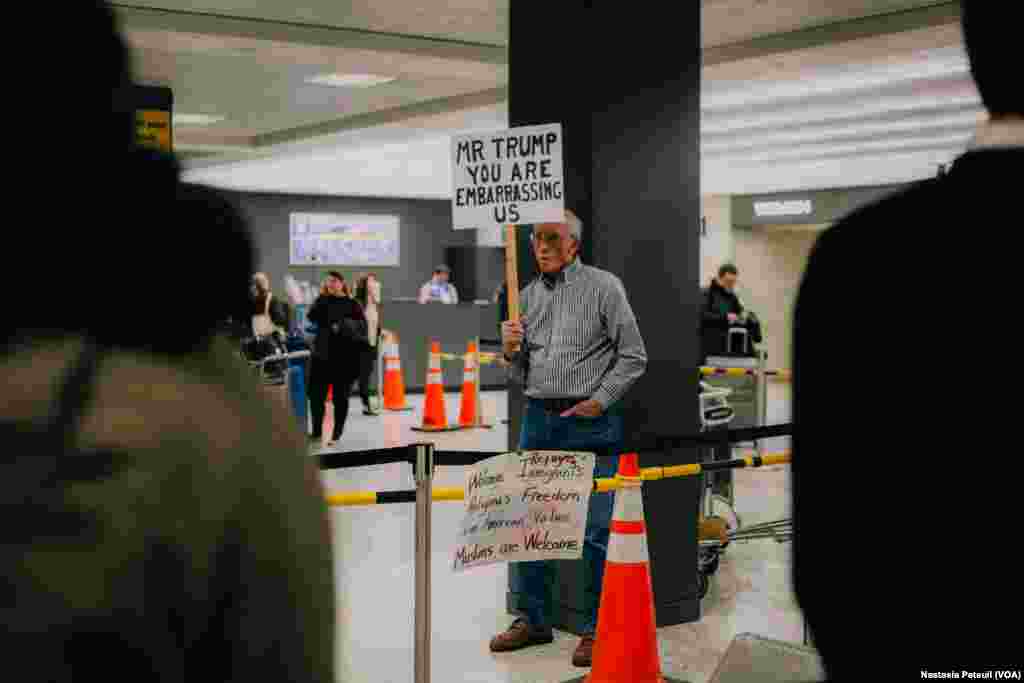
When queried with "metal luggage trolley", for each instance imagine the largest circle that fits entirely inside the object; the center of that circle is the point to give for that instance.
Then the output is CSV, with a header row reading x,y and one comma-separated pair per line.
x,y
716,413
717,497
720,502
278,358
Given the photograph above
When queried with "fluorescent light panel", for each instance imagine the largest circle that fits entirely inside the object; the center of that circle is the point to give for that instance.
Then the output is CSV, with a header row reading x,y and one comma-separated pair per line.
x,y
832,83
958,140
823,134
350,80
867,107
196,119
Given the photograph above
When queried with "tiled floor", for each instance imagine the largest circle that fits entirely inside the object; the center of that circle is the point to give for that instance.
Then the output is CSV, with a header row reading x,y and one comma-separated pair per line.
x,y
374,549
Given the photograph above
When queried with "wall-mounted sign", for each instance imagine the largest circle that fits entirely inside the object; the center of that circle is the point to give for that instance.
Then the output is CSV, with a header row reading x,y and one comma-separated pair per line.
x,y
153,129
153,110
788,207
327,239
508,177
810,207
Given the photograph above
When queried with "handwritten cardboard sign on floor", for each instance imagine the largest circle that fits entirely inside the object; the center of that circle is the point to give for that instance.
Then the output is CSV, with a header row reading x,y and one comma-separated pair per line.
x,y
525,506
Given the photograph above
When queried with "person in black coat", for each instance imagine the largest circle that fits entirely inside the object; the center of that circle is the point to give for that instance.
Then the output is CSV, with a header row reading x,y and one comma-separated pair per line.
x,y
903,505
337,350
722,311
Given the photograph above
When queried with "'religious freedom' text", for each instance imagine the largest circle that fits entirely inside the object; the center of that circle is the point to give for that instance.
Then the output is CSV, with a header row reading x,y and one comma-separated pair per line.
x,y
525,506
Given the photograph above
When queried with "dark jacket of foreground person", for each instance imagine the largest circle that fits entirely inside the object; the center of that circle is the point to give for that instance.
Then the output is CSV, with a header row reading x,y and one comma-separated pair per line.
x,y
159,520
901,512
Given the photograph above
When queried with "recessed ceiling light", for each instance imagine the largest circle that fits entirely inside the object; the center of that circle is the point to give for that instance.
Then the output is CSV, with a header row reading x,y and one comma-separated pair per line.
x,y
350,80
196,119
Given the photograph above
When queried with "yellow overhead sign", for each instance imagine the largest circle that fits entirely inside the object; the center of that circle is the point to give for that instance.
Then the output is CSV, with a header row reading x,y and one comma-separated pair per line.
x,y
153,129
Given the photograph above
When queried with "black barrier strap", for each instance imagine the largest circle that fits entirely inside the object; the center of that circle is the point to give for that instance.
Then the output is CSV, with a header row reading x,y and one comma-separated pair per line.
x,y
722,465
718,437
491,342
461,458
385,456
385,497
380,456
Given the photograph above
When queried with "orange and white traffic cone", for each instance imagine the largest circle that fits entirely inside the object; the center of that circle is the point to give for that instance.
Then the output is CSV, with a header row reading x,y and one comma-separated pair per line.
x,y
626,647
469,410
394,386
434,416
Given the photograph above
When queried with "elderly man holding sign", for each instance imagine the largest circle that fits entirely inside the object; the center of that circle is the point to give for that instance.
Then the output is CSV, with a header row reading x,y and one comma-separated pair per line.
x,y
577,350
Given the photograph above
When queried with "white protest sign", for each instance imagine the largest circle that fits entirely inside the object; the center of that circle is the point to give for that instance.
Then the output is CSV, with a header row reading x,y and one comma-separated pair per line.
x,y
512,176
525,506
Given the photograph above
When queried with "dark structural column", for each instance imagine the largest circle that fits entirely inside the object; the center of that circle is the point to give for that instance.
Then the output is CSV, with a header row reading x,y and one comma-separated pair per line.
x,y
624,81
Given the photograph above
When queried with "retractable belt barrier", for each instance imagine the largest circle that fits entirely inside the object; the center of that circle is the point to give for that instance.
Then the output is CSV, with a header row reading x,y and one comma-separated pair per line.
x,y
485,358
604,485
423,459
743,372
387,456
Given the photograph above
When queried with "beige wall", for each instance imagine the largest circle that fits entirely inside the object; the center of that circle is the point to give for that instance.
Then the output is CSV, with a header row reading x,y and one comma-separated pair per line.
x,y
716,247
771,264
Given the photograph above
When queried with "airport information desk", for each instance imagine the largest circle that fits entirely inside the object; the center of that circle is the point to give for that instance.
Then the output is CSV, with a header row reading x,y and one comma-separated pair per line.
x,y
451,324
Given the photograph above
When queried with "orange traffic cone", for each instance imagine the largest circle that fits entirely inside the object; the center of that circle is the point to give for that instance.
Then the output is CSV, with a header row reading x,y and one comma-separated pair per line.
x,y
626,647
394,387
434,417
469,411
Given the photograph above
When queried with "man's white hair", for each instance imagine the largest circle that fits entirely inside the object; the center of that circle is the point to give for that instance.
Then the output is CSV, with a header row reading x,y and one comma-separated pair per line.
x,y
575,225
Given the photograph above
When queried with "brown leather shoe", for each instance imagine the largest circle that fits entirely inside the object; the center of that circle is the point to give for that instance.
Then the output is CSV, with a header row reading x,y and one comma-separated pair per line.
x,y
519,635
584,654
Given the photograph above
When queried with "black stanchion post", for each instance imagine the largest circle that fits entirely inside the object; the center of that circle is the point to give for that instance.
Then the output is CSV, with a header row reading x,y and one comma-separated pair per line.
x,y
424,473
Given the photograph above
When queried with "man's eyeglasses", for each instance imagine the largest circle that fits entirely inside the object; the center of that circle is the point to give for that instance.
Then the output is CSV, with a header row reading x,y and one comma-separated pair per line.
x,y
552,239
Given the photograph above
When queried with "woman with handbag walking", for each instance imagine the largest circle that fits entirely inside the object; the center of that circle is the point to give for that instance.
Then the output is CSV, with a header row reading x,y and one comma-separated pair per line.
x,y
368,296
337,352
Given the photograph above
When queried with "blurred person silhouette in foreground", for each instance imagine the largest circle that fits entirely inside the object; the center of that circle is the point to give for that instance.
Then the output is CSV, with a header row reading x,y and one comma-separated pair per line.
x,y
895,567
160,522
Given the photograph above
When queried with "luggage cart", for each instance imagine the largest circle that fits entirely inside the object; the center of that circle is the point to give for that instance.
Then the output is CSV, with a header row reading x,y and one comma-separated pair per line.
x,y
717,492
263,354
281,357
718,498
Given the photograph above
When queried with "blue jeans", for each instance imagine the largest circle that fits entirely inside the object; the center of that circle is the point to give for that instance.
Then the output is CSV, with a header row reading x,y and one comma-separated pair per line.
x,y
603,436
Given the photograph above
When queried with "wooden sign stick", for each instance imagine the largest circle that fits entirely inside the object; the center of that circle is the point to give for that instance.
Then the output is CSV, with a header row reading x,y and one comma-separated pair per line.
x,y
512,273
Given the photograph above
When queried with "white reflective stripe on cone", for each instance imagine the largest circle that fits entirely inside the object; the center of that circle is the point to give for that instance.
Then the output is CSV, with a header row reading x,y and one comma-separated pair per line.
x,y
392,364
435,361
391,349
629,505
469,376
433,378
627,548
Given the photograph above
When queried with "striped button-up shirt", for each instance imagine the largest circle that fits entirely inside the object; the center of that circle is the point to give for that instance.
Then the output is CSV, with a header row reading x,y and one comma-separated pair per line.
x,y
581,337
